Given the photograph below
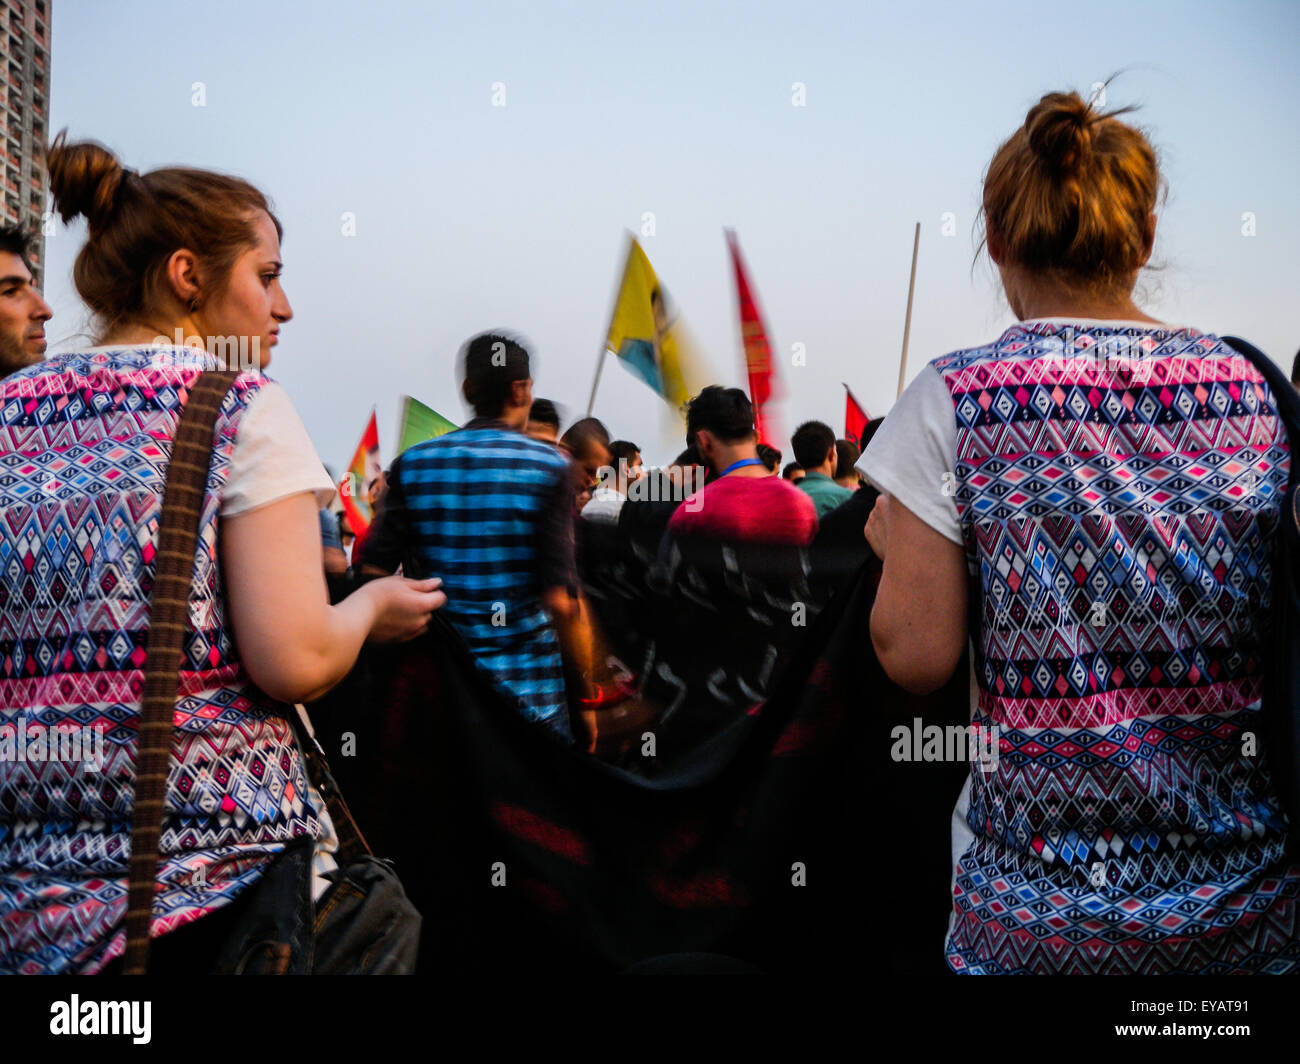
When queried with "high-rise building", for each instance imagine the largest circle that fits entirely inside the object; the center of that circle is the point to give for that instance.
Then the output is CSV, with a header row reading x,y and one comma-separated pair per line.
x,y
25,91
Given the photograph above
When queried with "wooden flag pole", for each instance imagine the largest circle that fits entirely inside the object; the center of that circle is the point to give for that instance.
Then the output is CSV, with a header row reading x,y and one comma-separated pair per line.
x,y
907,322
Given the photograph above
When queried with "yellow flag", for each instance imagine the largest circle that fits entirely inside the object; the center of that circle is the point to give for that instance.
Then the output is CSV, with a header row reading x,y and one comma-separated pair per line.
x,y
647,333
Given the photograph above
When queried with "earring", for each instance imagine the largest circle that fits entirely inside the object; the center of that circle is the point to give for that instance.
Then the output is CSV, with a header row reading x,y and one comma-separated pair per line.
x,y
194,304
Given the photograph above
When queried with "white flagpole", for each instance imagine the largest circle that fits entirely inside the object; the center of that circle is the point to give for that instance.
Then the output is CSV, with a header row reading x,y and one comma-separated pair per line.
x,y
907,323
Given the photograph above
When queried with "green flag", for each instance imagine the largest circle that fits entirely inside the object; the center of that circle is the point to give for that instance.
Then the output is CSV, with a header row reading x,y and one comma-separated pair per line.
x,y
419,423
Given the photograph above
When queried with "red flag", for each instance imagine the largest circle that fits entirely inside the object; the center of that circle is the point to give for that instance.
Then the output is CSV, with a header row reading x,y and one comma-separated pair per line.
x,y
855,418
363,471
763,382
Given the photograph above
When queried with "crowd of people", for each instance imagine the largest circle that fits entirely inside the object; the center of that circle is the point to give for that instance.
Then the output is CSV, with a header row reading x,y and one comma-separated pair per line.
x,y
504,548
1062,518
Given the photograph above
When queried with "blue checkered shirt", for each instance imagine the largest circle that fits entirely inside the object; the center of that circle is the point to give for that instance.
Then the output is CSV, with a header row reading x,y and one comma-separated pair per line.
x,y
490,512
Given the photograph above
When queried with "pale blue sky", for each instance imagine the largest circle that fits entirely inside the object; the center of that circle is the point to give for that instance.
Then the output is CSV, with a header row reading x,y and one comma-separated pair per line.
x,y
470,216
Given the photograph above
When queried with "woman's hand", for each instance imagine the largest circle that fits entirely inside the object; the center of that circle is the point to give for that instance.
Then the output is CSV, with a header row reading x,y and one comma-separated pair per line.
x,y
402,607
876,529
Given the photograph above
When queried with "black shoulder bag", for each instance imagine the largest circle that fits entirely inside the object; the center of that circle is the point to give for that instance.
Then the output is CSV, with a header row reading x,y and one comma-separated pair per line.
x,y
1282,651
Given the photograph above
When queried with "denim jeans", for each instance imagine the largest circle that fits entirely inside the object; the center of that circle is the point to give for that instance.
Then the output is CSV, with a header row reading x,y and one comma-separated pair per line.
x,y
272,934
363,924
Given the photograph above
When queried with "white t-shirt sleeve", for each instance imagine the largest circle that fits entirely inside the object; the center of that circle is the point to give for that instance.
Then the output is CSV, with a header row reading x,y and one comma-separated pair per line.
x,y
910,453
274,457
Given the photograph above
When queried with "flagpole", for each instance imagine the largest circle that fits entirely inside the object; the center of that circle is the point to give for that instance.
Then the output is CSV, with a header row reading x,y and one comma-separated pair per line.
x,y
618,288
907,322
600,364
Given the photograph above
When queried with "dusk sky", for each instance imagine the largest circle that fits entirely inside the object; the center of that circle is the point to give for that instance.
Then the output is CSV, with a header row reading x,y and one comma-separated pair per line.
x,y
470,215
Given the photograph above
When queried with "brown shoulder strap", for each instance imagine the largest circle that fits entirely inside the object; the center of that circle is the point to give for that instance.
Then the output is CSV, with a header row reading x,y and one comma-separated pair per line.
x,y
187,478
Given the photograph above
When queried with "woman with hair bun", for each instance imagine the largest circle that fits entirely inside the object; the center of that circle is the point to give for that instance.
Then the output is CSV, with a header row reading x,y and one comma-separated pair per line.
x,y
181,269
1070,496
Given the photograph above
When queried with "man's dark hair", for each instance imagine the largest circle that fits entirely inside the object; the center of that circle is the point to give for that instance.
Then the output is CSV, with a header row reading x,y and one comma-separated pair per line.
x,y
872,427
791,467
1295,370
544,413
17,241
770,455
580,435
725,412
846,457
492,362
811,442
622,449
689,457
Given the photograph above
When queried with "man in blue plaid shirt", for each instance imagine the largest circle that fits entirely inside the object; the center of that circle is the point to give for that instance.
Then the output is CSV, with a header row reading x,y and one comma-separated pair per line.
x,y
491,512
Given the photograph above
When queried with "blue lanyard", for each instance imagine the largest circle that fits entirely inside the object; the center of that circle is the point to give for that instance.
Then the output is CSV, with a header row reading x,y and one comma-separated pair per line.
x,y
740,464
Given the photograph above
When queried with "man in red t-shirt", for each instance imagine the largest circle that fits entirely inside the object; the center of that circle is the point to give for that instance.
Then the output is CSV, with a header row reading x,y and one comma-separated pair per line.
x,y
745,504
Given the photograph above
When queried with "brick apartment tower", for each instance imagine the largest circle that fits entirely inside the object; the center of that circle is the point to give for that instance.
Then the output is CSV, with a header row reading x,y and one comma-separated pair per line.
x,y
25,62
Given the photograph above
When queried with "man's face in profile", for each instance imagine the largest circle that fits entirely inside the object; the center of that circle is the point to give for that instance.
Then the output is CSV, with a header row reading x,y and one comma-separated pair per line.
x,y
593,459
23,314
632,467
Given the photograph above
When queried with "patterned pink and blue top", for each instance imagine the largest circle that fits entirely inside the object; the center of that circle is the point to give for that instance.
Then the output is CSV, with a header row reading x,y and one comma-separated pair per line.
x,y
1117,490
85,441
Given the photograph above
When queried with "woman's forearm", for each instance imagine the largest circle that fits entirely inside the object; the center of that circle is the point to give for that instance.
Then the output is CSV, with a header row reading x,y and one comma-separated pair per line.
x,y
342,632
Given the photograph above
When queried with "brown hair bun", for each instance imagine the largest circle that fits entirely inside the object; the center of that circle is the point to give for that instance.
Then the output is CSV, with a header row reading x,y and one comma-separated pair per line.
x,y
1059,128
85,179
